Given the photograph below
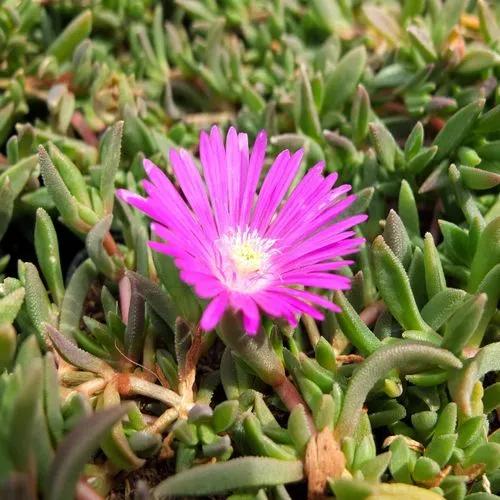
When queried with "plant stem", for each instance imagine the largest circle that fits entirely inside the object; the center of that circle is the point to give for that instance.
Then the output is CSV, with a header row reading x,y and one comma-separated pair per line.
x,y
125,293
110,245
91,387
370,314
163,421
79,123
130,384
148,356
311,329
187,372
256,351
291,398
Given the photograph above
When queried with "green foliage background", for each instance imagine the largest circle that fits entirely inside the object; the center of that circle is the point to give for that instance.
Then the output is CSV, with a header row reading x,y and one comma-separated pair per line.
x,y
104,377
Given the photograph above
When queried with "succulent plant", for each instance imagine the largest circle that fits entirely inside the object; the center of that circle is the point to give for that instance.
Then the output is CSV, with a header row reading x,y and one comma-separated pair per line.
x,y
378,382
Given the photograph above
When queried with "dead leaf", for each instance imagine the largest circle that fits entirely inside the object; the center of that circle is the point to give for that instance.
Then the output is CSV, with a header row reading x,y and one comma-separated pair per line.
x,y
323,460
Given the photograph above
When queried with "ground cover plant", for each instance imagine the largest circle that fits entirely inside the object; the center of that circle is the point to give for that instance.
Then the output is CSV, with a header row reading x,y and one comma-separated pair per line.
x,y
249,249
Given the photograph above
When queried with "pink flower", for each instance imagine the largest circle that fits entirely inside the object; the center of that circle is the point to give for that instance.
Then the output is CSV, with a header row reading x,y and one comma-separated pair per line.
x,y
247,249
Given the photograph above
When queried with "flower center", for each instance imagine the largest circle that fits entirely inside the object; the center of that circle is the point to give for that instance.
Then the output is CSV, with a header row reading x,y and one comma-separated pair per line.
x,y
245,259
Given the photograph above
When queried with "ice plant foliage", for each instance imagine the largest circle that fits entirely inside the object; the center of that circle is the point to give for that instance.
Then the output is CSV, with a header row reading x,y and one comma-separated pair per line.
x,y
101,361
246,248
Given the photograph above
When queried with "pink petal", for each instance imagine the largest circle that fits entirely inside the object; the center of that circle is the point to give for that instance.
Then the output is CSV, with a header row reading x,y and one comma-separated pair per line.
x,y
309,232
296,203
193,188
250,182
208,288
216,181
248,307
233,170
214,311
313,298
321,280
275,186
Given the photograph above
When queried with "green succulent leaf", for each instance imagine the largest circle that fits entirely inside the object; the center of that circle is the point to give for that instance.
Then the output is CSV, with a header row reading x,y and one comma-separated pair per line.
x,y
239,473
394,286
354,327
341,83
487,254
79,29
37,301
94,244
77,448
400,356
47,251
462,385
110,164
155,296
10,305
74,297
457,128
7,206
77,356
63,199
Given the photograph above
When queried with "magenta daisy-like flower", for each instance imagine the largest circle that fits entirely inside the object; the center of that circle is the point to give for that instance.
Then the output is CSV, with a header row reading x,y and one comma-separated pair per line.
x,y
245,248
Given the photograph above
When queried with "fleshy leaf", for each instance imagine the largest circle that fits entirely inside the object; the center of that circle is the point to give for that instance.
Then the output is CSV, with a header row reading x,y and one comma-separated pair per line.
x,y
77,448
239,473
403,356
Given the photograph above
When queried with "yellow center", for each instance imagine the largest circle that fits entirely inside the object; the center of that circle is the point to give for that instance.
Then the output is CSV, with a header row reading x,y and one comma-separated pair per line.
x,y
246,258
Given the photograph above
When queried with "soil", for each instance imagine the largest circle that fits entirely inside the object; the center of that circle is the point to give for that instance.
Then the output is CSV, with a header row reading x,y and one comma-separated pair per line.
x,y
152,473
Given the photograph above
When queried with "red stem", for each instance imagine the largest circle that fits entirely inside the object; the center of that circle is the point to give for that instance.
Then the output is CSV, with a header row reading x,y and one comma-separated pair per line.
x,y
110,245
291,398
370,314
125,292
82,127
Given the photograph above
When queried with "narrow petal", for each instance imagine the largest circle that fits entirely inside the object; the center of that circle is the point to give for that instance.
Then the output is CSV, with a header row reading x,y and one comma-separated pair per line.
x,y
170,250
250,311
313,298
252,178
192,186
274,188
330,281
219,160
219,219
208,288
308,253
216,191
275,304
233,169
316,220
323,266
296,203
214,311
